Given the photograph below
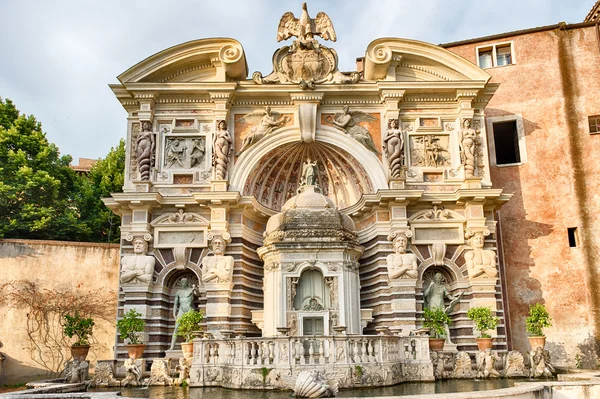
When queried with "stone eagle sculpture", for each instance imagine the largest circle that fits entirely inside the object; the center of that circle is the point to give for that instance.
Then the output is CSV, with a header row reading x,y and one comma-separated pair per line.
x,y
305,28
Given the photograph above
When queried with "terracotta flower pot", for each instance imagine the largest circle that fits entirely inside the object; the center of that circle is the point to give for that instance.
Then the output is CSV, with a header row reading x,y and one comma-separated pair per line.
x,y
484,343
135,351
188,349
537,342
79,352
436,344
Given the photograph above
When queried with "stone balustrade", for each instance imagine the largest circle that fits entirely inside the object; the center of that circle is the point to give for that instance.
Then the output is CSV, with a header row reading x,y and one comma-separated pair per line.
x,y
393,359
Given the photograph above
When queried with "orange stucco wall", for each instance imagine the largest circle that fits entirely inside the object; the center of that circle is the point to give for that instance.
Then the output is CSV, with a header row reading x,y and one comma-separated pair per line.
x,y
555,86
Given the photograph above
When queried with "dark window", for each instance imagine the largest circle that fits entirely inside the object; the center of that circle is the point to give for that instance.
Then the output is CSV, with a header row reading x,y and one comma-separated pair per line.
x,y
506,141
572,232
594,122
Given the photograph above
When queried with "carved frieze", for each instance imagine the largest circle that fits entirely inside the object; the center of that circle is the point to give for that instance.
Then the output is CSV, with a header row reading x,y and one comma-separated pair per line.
x,y
185,153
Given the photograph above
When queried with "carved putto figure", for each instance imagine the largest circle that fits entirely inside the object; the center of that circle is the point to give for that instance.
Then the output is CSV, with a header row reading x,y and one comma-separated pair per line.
x,y
485,364
76,371
347,122
197,154
217,268
222,150
139,267
463,366
183,370
469,141
133,373
184,302
265,122
309,172
437,360
393,146
540,363
481,263
144,150
401,264
514,365
175,153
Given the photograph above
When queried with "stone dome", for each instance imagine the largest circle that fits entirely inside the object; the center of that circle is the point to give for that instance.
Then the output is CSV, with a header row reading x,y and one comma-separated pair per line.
x,y
310,216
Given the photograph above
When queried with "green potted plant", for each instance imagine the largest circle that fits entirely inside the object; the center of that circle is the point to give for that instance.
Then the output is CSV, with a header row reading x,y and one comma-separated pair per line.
x,y
187,324
537,320
129,327
436,320
484,320
81,328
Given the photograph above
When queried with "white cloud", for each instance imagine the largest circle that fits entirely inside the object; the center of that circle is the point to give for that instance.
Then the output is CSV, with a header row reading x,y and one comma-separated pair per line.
x,y
61,55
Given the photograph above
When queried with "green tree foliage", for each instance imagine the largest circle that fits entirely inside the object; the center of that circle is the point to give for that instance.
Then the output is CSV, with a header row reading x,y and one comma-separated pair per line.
x,y
37,186
104,178
41,197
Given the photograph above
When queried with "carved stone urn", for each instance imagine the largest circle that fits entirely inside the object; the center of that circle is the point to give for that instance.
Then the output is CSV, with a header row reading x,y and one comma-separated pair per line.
x,y
79,352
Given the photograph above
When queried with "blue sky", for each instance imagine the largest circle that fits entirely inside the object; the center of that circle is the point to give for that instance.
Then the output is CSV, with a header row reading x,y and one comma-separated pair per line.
x,y
58,57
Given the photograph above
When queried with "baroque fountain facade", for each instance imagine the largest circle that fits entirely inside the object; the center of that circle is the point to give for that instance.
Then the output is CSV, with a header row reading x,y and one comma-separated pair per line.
x,y
306,212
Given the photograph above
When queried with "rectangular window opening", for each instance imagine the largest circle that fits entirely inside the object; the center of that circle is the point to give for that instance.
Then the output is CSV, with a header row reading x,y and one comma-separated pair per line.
x,y
506,141
485,58
572,233
594,122
503,56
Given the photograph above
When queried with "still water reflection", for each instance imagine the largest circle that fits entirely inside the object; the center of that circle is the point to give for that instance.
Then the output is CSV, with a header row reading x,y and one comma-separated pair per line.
x,y
412,388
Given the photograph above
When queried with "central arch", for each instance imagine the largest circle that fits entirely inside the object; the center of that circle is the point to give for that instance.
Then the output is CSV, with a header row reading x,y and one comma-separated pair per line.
x,y
271,170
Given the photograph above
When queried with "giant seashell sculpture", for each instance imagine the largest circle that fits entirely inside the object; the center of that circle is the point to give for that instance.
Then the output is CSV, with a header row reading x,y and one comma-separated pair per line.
x,y
310,384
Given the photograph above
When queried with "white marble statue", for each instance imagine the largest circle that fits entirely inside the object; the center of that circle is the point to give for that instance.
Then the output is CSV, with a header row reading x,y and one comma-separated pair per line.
x,y
481,263
133,373
76,371
184,302
217,268
139,267
401,264
309,172
222,150
540,363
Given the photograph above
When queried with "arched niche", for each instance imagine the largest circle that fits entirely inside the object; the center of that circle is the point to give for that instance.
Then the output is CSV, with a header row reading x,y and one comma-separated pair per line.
x,y
271,170
312,292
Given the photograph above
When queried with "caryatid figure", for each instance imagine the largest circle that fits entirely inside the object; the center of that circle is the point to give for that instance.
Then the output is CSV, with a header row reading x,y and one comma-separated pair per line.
x,y
468,142
184,302
139,267
144,150
218,268
481,263
401,264
393,146
222,150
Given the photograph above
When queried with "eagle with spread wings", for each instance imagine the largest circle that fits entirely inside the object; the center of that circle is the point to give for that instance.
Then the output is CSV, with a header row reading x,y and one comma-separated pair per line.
x,y
305,28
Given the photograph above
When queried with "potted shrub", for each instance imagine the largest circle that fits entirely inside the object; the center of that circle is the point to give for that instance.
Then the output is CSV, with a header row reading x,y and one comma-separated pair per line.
x,y
484,321
81,328
188,323
129,327
436,320
537,320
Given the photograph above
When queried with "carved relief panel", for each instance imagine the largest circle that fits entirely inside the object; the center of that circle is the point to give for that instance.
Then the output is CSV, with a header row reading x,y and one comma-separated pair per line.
x,y
185,150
